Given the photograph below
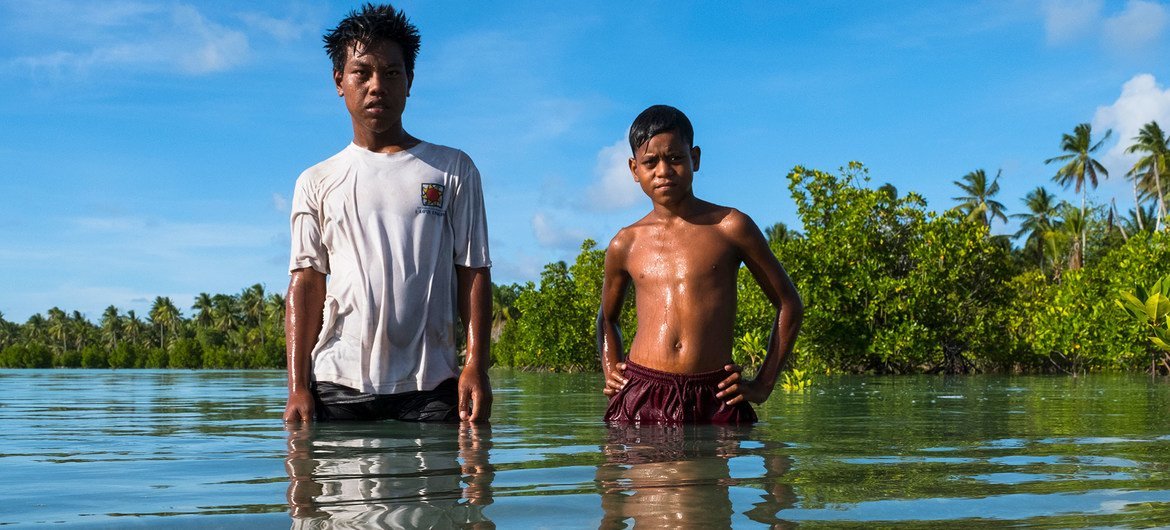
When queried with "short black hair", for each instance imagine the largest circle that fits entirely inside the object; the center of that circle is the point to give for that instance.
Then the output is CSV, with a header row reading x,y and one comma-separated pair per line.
x,y
373,24
659,119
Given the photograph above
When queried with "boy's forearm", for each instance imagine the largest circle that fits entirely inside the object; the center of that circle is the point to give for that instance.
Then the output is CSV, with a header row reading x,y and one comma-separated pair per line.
x,y
784,331
303,320
475,311
609,342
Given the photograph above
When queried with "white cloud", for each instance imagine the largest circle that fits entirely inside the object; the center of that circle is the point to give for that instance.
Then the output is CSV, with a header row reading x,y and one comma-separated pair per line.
x,y
1068,20
550,234
130,36
1139,25
280,202
614,187
1141,101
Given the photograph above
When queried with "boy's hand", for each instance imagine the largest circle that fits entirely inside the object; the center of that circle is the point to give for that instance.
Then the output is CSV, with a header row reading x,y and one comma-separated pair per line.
x,y
615,379
475,395
299,408
735,389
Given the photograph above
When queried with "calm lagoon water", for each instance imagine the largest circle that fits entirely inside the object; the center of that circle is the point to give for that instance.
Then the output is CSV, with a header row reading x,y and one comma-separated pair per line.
x,y
200,449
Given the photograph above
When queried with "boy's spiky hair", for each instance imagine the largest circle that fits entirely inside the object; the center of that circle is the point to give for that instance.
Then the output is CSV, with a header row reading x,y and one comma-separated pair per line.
x,y
373,24
659,119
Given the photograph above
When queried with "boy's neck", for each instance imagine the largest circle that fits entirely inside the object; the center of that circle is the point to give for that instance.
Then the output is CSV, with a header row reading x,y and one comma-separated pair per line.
x,y
392,141
682,208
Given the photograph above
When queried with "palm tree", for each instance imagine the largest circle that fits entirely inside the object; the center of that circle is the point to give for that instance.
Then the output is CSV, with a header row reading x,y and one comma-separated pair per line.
x,y
978,203
1080,168
504,310
225,312
203,310
252,303
58,326
133,326
7,332
1148,170
34,328
778,233
1133,223
1040,219
1073,223
111,325
80,328
275,310
165,317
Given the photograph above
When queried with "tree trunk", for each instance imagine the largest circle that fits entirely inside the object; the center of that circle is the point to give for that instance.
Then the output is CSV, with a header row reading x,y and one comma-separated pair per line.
x,y
1161,197
1084,229
1137,206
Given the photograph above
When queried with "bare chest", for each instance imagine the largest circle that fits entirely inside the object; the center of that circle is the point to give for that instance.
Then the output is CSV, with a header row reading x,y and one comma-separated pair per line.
x,y
693,257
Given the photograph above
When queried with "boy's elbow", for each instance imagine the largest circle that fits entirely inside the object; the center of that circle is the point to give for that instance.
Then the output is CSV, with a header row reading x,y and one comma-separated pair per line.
x,y
793,305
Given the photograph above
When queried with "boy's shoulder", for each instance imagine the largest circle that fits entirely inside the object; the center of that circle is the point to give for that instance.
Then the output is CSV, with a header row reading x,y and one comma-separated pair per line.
x,y
727,220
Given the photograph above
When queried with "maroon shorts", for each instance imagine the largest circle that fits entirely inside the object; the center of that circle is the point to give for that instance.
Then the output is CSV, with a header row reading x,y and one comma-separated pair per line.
x,y
657,397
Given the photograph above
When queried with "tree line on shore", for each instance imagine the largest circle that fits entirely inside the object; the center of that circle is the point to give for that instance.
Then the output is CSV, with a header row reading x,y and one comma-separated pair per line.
x,y
889,287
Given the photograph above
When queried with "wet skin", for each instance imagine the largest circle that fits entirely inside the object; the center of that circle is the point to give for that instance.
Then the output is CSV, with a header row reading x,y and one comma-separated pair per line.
x,y
682,259
375,85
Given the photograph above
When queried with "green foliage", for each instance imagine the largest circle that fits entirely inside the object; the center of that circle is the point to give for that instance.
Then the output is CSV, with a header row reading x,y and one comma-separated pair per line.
x,y
185,353
1150,308
555,326
34,355
1073,324
887,285
796,380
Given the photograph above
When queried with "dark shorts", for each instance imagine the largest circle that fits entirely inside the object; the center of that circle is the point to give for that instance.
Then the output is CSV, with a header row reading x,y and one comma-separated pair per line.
x,y
337,402
657,397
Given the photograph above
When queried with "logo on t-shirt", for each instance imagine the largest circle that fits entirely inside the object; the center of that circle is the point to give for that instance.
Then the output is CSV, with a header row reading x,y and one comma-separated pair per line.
x,y
432,195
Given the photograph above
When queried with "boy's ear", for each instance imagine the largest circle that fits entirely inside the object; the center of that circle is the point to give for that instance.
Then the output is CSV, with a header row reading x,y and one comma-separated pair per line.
x,y
409,83
337,82
695,152
633,164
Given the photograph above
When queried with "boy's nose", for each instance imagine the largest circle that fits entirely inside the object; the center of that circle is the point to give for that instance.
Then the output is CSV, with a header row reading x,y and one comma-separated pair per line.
x,y
376,82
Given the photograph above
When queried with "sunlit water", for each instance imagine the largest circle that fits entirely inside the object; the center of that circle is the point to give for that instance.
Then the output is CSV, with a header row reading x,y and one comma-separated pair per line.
x,y
133,449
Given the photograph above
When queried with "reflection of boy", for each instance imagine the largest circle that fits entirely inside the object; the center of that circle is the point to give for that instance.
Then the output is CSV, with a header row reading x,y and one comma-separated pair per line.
x,y
682,259
399,226
405,475
671,476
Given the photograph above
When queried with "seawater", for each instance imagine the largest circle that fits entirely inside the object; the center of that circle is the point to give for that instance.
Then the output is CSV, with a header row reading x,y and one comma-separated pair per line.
x,y
206,449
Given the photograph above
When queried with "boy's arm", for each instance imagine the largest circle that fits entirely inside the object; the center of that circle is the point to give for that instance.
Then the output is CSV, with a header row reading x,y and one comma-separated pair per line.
x,y
304,310
475,310
614,284
778,287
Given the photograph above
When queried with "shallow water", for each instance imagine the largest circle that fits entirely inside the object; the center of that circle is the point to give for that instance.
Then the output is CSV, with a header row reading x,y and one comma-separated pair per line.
x,y
199,449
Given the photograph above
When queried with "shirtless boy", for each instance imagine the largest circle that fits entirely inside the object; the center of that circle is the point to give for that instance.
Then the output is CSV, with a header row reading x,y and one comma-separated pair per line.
x,y
682,259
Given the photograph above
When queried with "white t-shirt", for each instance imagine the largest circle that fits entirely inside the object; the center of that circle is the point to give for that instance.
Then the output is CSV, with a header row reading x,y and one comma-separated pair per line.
x,y
389,230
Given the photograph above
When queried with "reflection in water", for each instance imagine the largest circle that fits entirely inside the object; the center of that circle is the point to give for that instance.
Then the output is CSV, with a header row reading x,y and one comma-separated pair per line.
x,y
389,475
679,476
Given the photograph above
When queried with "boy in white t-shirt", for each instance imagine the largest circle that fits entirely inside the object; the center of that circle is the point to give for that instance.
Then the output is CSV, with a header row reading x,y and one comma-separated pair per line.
x,y
399,227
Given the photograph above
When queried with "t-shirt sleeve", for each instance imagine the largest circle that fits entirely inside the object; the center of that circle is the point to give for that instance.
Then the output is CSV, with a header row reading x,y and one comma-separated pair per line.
x,y
469,221
305,219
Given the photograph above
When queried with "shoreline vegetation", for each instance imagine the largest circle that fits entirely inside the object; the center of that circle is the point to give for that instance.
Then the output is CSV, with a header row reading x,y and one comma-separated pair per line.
x,y
889,286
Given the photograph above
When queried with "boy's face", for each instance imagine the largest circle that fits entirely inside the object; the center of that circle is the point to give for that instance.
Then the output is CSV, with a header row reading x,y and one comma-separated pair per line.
x,y
375,86
665,167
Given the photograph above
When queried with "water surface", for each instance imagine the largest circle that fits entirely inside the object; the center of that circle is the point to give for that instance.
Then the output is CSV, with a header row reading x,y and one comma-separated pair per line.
x,y
199,449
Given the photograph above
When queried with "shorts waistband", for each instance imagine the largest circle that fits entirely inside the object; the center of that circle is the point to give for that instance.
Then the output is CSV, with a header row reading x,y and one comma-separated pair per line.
x,y
714,376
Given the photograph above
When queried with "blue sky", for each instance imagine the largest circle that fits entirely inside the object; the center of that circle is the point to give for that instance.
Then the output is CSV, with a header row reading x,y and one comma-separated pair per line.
x,y
150,148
